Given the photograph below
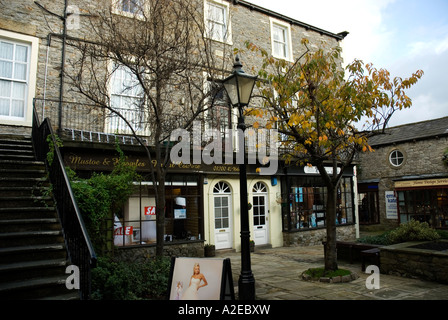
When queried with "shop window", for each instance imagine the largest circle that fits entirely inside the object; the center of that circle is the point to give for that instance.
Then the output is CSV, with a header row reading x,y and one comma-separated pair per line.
x,y
426,205
396,158
183,213
306,204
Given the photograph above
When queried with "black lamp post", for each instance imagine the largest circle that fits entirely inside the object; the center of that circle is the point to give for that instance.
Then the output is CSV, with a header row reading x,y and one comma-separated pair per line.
x,y
239,87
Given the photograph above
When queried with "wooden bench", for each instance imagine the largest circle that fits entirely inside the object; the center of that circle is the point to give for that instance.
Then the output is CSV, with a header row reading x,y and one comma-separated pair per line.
x,y
372,255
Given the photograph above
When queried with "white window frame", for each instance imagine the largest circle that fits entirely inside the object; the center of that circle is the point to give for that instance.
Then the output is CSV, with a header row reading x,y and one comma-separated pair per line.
x,y
117,6
114,119
31,77
394,157
228,24
288,43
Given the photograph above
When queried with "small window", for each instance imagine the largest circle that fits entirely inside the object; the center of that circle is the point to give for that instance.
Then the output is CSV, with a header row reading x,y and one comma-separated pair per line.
x,y
396,158
281,40
217,21
130,6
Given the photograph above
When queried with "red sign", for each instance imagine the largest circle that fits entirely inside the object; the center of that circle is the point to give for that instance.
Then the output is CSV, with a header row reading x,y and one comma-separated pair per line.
x,y
150,211
127,231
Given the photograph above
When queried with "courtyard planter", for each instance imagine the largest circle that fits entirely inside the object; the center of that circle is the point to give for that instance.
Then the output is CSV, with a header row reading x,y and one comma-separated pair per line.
x,y
427,260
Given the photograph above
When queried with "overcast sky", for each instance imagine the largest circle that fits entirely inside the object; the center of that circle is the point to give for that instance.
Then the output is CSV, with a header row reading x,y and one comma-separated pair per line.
x,y
401,36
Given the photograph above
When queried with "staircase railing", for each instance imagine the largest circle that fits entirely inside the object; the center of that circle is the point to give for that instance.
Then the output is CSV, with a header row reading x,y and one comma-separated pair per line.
x,y
80,248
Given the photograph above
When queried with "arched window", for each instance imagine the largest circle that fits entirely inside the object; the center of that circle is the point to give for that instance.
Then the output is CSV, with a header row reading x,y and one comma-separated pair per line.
x,y
260,187
221,187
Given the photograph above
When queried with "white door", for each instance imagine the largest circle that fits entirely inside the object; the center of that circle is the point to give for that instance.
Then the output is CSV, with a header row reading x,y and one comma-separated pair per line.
x,y
223,216
260,214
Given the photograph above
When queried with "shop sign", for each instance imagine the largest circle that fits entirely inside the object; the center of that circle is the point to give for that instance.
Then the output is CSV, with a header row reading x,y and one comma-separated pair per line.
x,y
421,183
127,231
150,211
391,205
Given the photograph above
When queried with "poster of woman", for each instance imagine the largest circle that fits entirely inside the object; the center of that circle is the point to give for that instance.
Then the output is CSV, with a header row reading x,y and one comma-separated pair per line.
x,y
196,279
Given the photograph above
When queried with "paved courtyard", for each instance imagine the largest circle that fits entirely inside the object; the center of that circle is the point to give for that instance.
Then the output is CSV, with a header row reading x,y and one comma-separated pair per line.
x,y
277,277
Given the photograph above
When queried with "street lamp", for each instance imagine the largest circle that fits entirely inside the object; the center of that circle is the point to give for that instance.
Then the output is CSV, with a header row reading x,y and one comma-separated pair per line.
x,y
239,87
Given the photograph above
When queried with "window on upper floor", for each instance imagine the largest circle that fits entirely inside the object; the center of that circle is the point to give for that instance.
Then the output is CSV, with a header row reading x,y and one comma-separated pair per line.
x,y
217,20
396,158
219,113
128,8
281,40
126,95
14,60
18,63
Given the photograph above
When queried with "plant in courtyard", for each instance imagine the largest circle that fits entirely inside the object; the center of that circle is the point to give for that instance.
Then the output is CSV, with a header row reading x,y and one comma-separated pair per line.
x,y
317,106
119,280
101,197
413,231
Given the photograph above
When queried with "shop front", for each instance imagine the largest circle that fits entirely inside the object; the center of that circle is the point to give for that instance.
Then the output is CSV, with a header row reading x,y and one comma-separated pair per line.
x,y
424,200
202,201
303,202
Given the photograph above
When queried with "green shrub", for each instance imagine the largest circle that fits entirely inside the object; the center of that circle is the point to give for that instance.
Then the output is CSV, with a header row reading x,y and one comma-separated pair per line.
x,y
413,231
112,280
382,239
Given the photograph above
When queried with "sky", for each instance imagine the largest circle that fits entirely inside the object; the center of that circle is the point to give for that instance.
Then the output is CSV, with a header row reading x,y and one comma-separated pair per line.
x,y
402,36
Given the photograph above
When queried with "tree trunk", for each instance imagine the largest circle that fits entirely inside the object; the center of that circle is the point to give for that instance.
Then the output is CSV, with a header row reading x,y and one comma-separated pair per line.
x,y
331,261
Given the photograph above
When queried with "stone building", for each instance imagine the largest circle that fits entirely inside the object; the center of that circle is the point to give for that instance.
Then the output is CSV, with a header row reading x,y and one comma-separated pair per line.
x,y
406,177
202,200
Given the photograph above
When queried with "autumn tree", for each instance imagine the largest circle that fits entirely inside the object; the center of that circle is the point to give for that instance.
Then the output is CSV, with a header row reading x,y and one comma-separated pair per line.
x,y
162,49
318,107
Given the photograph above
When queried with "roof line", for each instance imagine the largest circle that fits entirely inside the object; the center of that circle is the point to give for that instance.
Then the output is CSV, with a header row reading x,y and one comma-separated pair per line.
x,y
339,36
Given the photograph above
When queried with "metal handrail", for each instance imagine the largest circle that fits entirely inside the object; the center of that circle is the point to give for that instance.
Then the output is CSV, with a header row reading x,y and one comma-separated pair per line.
x,y
80,248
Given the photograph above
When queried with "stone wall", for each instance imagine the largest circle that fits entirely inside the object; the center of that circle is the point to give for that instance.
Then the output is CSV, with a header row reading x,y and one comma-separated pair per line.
x,y
316,236
142,253
401,260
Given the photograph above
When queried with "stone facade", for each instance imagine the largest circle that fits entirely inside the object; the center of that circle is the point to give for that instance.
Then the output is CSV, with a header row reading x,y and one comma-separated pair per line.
x,y
422,159
315,237
141,253
248,23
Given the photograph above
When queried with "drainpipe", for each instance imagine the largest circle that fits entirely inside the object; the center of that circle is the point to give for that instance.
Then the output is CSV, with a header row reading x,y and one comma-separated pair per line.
x,y
61,85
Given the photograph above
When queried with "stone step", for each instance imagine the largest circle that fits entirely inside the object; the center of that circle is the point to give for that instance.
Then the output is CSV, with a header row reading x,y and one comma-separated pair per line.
x,y
35,288
32,269
21,225
32,191
32,252
24,238
41,212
